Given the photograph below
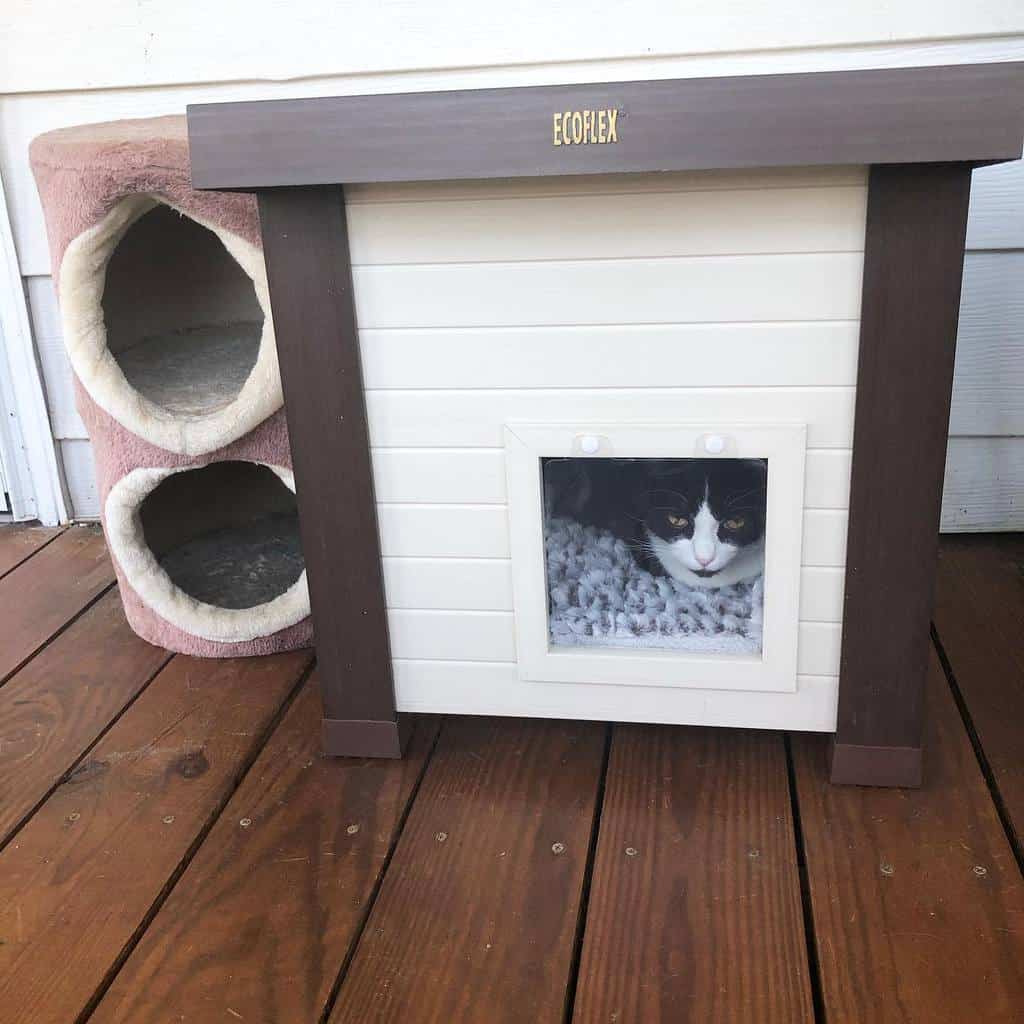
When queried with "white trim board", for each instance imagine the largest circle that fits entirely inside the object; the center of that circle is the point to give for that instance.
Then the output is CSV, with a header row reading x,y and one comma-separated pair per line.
x,y
494,688
26,442
5,495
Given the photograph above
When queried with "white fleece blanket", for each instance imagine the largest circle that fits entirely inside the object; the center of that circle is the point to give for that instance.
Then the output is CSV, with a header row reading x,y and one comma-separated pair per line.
x,y
599,596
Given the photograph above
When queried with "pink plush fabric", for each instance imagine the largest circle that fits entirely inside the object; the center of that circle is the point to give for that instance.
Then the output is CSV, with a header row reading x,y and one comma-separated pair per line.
x,y
81,173
117,452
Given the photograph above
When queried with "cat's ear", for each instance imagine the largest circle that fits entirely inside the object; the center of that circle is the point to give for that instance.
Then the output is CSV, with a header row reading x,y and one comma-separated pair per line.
x,y
760,467
760,474
567,487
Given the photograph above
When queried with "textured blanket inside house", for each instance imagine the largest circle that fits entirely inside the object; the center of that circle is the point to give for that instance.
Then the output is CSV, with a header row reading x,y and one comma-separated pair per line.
x,y
599,596
195,371
241,566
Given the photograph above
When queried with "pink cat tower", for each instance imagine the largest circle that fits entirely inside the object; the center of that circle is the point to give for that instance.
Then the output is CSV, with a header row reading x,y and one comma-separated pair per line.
x,y
167,325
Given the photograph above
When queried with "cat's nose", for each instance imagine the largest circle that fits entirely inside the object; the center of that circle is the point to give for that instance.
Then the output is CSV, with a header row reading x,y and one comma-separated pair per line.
x,y
704,559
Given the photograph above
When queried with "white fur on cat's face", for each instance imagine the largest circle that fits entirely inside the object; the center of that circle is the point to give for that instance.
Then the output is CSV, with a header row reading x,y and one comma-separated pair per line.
x,y
706,552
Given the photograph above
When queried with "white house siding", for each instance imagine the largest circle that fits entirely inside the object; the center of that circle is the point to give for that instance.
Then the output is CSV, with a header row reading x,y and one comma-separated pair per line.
x,y
523,289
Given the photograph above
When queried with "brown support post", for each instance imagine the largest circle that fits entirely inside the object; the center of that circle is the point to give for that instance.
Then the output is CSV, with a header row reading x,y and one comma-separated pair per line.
x,y
913,263
305,244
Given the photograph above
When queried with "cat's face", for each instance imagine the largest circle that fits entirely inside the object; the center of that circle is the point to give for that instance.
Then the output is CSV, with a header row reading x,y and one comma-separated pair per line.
x,y
705,518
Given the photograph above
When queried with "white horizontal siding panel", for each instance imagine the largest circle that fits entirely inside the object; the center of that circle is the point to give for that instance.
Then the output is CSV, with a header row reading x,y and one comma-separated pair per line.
x,y
470,476
726,179
819,286
824,540
442,419
485,584
988,384
821,594
479,688
490,637
984,488
818,648
477,476
990,338
575,227
987,412
826,479
449,584
451,635
444,531
996,219
611,356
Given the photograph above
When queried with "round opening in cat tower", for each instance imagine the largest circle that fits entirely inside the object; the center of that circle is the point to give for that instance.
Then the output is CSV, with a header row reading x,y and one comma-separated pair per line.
x,y
214,551
167,325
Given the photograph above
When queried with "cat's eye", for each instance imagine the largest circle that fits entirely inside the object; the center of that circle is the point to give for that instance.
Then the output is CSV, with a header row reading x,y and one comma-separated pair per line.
x,y
679,521
734,524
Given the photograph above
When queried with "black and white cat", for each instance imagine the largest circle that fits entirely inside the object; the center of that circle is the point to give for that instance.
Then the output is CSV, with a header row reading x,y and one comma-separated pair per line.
x,y
701,521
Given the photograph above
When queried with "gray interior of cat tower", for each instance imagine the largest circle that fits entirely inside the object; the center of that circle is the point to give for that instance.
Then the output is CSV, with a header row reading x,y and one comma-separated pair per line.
x,y
192,344
226,534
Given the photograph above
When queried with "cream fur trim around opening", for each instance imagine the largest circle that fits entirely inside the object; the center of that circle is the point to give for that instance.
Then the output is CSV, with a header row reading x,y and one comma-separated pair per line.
x,y
127,543
82,278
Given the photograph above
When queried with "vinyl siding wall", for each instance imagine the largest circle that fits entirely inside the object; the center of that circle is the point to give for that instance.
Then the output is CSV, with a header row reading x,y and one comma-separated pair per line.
x,y
486,303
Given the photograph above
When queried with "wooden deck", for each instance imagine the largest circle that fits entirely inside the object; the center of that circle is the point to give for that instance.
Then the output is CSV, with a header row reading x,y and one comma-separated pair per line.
x,y
174,848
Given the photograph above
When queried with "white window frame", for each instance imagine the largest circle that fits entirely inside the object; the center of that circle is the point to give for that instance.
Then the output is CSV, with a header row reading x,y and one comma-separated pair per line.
x,y
782,444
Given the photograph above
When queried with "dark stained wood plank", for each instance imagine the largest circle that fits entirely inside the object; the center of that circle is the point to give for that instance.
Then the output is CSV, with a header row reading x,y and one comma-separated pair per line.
x,y
477,914
913,265
42,594
260,923
305,245
979,617
18,542
917,900
695,911
56,706
877,116
78,881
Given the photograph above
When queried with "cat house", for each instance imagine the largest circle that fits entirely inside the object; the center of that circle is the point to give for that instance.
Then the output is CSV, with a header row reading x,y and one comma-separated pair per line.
x,y
168,331
622,401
